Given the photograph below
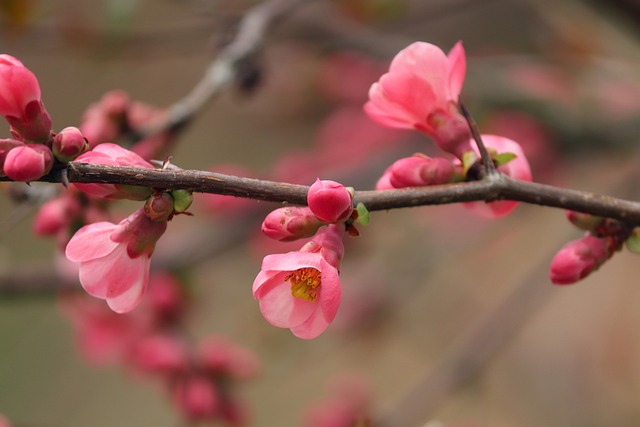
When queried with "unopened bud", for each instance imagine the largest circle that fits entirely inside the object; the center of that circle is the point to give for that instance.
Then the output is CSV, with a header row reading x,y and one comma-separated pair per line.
x,y
68,144
290,223
330,201
28,162
577,259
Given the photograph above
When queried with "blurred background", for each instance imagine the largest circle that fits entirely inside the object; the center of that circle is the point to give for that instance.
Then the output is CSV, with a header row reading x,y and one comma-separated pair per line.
x,y
449,318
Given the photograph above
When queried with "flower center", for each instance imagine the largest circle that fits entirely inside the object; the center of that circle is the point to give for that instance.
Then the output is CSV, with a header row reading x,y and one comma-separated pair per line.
x,y
304,283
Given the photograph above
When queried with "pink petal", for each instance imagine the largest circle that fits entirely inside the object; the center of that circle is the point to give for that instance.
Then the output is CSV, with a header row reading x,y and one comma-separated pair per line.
x,y
427,61
113,274
312,327
90,242
282,309
291,261
385,112
130,298
458,70
406,93
330,292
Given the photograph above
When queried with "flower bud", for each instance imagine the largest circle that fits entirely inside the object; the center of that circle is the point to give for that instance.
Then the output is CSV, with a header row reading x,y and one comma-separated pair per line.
x,y
68,144
20,102
7,145
159,207
577,259
290,223
420,170
330,201
28,162
56,214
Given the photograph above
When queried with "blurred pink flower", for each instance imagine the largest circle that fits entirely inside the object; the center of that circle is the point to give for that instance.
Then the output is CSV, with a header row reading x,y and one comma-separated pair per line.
x,y
56,215
347,404
197,398
20,102
4,422
578,258
330,201
518,168
301,290
114,259
104,121
114,155
219,356
160,354
421,91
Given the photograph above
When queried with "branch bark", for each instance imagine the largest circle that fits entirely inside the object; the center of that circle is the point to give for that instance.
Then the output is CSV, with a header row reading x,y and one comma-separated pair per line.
x,y
496,188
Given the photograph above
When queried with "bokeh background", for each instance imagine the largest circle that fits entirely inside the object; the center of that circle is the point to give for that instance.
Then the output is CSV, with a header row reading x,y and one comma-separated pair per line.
x,y
451,318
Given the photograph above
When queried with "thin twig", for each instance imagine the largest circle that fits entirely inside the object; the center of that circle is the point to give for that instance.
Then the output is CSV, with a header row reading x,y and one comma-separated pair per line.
x,y
223,70
487,162
504,188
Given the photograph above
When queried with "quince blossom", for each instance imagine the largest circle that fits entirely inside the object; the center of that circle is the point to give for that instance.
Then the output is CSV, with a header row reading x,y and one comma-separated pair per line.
x,y
301,290
114,155
421,91
114,258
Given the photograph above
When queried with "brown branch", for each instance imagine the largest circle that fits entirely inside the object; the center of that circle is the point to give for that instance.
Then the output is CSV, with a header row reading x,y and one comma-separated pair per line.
x,y
223,70
500,188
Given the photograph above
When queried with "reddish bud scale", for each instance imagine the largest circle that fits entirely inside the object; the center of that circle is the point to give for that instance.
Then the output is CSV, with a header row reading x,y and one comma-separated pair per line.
x,y
159,207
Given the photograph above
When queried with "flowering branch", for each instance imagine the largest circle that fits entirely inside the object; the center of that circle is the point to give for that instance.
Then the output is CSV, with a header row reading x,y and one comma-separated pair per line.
x,y
502,188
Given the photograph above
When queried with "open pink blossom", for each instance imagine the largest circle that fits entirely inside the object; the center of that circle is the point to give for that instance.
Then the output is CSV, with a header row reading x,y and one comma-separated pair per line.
x,y
114,155
301,290
421,91
20,102
578,258
114,258
518,168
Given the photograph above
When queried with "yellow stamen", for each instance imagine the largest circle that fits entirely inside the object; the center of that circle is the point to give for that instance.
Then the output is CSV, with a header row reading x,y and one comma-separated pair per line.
x,y
304,283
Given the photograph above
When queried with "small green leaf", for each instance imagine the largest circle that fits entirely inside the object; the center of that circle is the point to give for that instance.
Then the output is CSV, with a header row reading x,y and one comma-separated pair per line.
x,y
633,242
468,159
503,158
181,200
364,218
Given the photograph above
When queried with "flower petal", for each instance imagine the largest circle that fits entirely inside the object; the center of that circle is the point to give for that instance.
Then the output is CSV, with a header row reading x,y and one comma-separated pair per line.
x,y
280,307
458,69
312,327
131,297
90,242
330,292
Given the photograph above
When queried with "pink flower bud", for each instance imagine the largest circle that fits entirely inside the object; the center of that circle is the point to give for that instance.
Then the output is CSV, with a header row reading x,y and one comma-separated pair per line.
x,y
4,422
20,101
197,398
166,297
68,144
420,170
28,162
291,223
160,354
56,214
7,145
577,259
330,201
159,207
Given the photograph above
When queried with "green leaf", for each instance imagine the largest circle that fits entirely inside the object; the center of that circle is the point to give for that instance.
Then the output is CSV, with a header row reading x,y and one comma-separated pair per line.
x,y
181,200
633,242
503,158
364,217
468,159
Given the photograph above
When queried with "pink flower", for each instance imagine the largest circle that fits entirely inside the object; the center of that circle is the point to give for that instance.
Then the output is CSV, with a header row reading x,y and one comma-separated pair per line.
x,y
114,259
4,422
103,121
578,258
421,91
219,356
56,215
28,162
114,155
160,354
301,290
20,101
330,201
518,168
197,398
290,223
